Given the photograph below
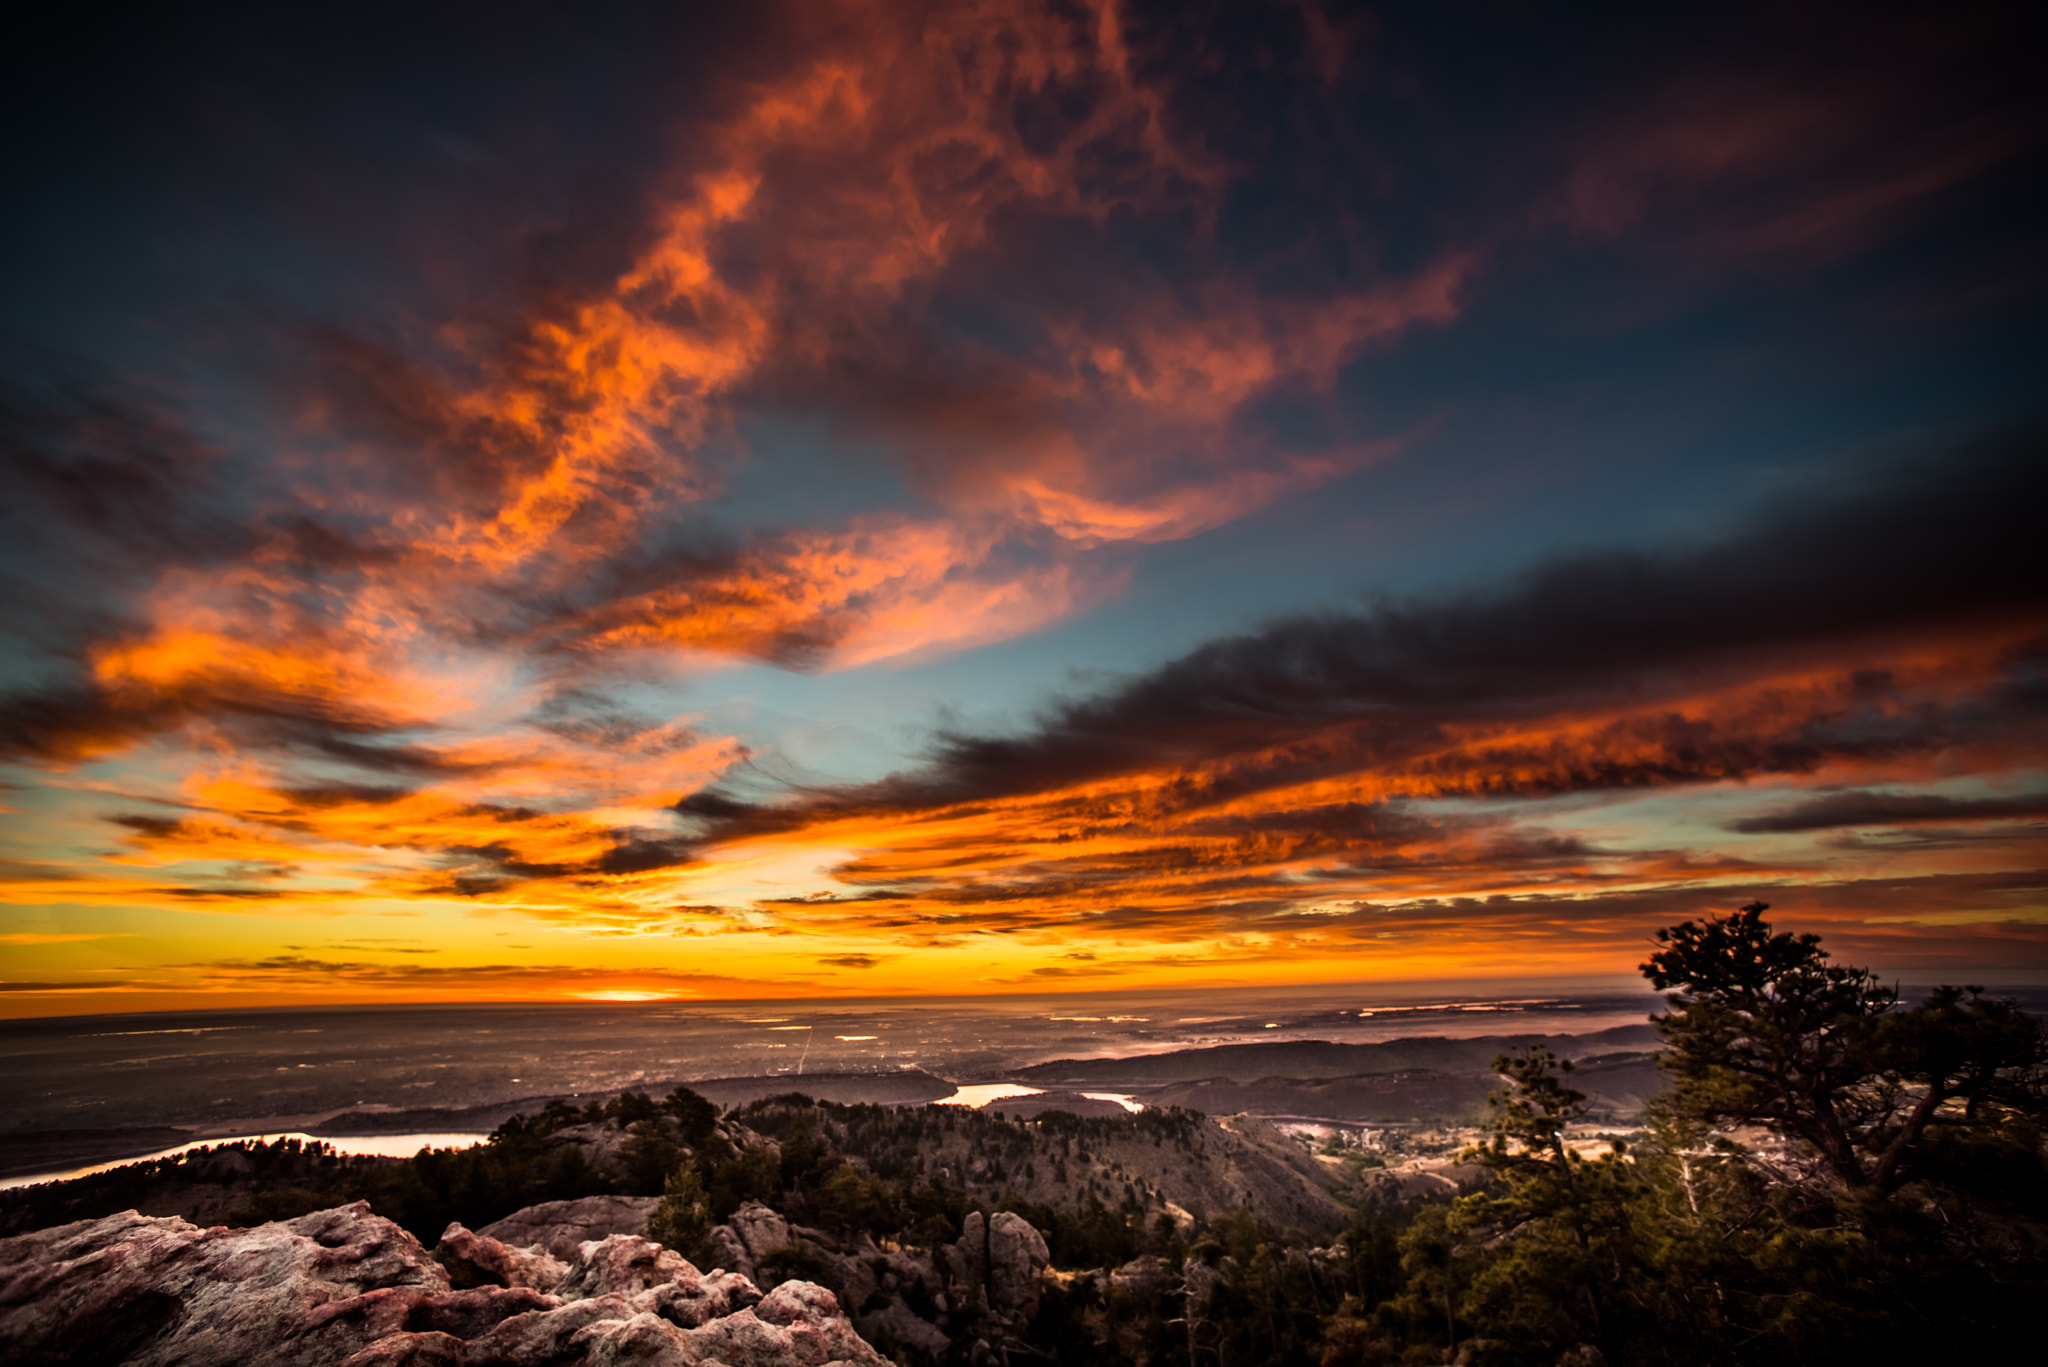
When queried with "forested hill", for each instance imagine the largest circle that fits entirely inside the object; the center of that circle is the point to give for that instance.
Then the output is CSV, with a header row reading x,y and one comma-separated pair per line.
x,y
1172,1163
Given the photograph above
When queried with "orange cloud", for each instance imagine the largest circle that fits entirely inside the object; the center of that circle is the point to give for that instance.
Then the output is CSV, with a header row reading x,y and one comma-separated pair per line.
x,y
376,676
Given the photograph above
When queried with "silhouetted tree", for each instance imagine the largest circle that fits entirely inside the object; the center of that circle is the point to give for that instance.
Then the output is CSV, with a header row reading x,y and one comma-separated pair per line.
x,y
696,1118
1764,1030
649,1156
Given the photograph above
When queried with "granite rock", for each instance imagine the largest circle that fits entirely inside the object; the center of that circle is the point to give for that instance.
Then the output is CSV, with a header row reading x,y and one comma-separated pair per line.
x,y
1003,1262
560,1227
759,1228
345,1288
481,1260
312,1291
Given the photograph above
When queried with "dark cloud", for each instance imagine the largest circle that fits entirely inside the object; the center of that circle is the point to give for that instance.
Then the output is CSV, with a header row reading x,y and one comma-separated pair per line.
x,y
149,827
726,811
1936,545
71,722
482,869
589,717
1859,915
89,462
63,987
66,723
322,795
503,863
1863,808
389,758
818,898
850,961
641,855
1996,895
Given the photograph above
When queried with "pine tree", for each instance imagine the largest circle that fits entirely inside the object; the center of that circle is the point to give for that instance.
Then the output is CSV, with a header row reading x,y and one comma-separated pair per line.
x,y
1764,1030
682,1219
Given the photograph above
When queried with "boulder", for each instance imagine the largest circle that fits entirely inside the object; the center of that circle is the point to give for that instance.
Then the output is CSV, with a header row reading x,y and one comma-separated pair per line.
x,y
797,1321
560,1226
344,1288
848,1266
1146,1277
1017,1259
967,1257
695,1303
728,1250
1004,1259
623,1264
544,1337
643,1340
603,1144
759,1228
896,1323
311,1291
471,1314
477,1260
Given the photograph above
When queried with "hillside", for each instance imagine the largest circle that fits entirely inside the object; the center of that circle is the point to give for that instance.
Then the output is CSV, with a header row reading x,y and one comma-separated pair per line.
x,y
1155,1162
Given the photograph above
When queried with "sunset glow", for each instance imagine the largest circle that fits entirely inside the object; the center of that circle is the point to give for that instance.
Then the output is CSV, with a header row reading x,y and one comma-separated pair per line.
x,y
991,497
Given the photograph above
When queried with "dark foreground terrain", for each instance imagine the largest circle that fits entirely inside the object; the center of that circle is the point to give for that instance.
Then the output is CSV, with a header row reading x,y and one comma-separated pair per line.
x,y
1828,1176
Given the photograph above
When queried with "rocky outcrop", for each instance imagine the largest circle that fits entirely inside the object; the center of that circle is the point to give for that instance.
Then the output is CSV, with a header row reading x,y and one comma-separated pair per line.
x,y
895,1324
728,1250
985,1286
480,1260
853,1266
759,1228
344,1288
312,1290
1003,1261
561,1227
747,1234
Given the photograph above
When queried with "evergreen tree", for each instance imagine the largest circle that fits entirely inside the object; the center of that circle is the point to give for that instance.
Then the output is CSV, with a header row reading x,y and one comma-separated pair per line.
x,y
682,1220
1560,1227
696,1118
1764,1030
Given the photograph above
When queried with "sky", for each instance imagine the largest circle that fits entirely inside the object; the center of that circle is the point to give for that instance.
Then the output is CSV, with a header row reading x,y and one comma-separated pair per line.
x,y
630,501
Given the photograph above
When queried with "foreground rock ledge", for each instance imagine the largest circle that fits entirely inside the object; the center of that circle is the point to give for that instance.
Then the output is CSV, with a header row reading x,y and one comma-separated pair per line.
x,y
345,1288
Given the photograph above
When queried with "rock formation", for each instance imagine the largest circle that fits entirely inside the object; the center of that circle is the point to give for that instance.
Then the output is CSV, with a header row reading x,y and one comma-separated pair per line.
x,y
1003,1262
748,1233
561,1227
983,1287
345,1288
